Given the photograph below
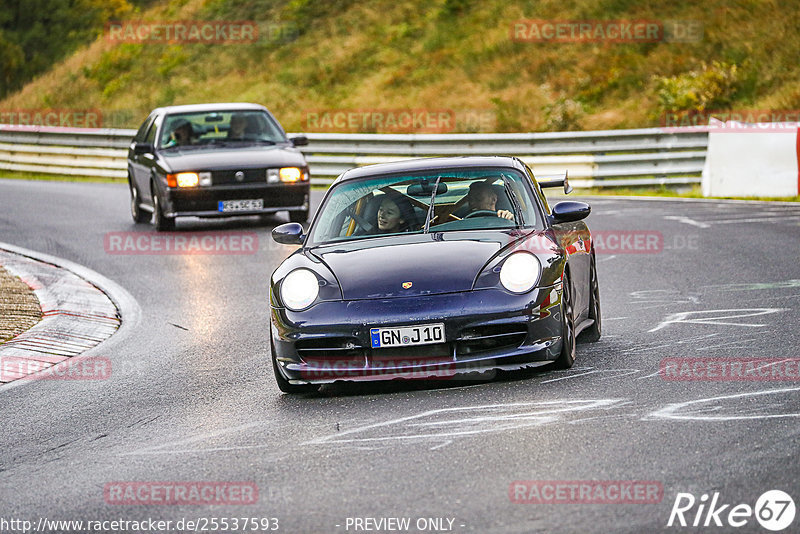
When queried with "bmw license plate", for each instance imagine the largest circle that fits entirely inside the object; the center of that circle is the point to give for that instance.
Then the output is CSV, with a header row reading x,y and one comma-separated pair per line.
x,y
405,336
240,205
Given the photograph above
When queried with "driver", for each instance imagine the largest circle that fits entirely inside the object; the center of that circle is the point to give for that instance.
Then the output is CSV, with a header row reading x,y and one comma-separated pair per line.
x,y
181,135
238,126
482,197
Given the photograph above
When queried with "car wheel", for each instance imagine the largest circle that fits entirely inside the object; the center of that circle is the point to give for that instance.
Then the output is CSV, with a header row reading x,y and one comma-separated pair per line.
x,y
138,214
567,356
298,216
592,333
283,383
162,223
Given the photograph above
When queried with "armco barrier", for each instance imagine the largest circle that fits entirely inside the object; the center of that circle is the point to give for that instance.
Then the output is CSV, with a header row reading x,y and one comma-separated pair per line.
x,y
594,159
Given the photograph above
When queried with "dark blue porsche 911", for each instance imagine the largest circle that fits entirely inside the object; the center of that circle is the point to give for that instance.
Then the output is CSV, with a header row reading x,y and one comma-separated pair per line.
x,y
433,268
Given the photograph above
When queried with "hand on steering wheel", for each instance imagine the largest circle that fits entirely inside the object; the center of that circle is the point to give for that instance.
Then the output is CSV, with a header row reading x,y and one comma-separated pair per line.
x,y
481,213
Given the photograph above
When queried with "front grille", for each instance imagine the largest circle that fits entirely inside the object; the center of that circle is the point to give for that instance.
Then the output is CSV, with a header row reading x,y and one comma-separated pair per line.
x,y
229,177
492,337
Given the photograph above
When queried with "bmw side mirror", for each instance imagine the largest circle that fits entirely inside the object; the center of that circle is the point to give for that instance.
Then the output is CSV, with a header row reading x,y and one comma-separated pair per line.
x,y
142,148
569,211
300,140
288,234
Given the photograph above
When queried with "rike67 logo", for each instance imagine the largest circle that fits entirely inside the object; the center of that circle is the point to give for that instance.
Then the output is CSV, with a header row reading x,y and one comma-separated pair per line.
x,y
774,510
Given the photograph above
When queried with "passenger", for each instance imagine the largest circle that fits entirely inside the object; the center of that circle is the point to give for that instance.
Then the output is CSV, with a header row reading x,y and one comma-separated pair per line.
x,y
482,197
395,214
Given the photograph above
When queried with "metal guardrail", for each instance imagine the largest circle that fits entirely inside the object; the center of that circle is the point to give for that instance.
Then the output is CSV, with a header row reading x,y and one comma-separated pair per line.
x,y
650,156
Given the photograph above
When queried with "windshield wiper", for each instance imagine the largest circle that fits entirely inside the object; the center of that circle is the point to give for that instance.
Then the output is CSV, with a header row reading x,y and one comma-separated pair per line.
x,y
430,208
514,202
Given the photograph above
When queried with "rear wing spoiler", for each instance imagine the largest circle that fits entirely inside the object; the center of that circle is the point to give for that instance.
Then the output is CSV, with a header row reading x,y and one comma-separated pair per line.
x,y
556,180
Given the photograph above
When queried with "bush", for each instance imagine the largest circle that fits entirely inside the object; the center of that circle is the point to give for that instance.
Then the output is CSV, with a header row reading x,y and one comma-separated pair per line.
x,y
713,87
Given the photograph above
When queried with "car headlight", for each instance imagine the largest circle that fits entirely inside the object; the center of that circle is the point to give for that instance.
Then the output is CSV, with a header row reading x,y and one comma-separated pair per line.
x,y
291,174
299,289
183,179
520,272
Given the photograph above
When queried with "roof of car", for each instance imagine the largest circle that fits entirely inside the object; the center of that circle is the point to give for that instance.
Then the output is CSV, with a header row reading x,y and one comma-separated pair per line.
x,y
200,108
423,164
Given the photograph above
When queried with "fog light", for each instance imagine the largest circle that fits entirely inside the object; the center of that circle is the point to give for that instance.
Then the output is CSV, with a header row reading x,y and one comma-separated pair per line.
x,y
205,178
272,176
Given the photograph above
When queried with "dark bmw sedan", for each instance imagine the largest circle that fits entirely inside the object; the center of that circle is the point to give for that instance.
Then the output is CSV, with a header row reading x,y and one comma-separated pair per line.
x,y
215,160
433,269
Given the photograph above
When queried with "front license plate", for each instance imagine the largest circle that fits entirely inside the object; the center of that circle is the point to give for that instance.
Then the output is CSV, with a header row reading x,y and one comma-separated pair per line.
x,y
240,205
405,336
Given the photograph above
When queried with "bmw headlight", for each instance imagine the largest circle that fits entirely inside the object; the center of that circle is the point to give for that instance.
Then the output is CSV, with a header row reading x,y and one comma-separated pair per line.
x,y
299,289
520,272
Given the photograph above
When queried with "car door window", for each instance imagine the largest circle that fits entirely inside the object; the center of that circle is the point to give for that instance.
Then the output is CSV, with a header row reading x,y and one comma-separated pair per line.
x,y
140,135
151,134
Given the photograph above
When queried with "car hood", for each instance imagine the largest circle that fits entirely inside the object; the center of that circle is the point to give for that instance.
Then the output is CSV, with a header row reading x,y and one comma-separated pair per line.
x,y
433,263
222,158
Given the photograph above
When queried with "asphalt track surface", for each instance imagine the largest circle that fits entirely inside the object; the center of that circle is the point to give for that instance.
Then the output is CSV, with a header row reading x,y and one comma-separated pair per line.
x,y
192,397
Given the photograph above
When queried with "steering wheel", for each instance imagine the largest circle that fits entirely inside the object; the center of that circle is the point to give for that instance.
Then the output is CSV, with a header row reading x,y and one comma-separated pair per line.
x,y
481,213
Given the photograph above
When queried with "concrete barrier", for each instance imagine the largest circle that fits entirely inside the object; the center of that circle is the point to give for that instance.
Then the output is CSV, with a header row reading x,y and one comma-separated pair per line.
x,y
752,160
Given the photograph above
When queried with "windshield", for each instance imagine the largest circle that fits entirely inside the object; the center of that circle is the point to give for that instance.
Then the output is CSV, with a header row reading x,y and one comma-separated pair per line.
x,y
391,205
219,128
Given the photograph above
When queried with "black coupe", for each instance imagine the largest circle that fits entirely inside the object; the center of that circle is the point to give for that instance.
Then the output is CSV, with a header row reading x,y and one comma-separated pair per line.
x,y
215,160
433,268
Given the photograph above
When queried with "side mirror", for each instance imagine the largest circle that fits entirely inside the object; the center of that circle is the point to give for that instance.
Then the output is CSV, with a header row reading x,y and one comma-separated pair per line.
x,y
569,211
142,148
300,140
288,234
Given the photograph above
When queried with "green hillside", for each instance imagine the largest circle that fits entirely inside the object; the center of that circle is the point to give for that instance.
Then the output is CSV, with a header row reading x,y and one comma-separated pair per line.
x,y
457,55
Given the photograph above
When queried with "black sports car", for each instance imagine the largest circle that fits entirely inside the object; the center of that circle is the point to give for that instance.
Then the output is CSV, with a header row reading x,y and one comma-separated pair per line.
x,y
433,268
215,160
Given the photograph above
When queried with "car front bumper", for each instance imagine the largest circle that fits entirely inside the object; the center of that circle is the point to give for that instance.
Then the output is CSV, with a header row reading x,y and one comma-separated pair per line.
x,y
485,330
204,201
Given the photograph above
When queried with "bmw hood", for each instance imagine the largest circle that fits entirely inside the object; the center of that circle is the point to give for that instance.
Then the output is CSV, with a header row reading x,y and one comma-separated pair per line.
x,y
413,265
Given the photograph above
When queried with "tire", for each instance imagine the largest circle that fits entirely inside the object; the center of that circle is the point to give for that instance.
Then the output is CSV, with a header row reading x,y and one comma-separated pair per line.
x,y
593,333
162,224
283,383
566,359
138,214
298,216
